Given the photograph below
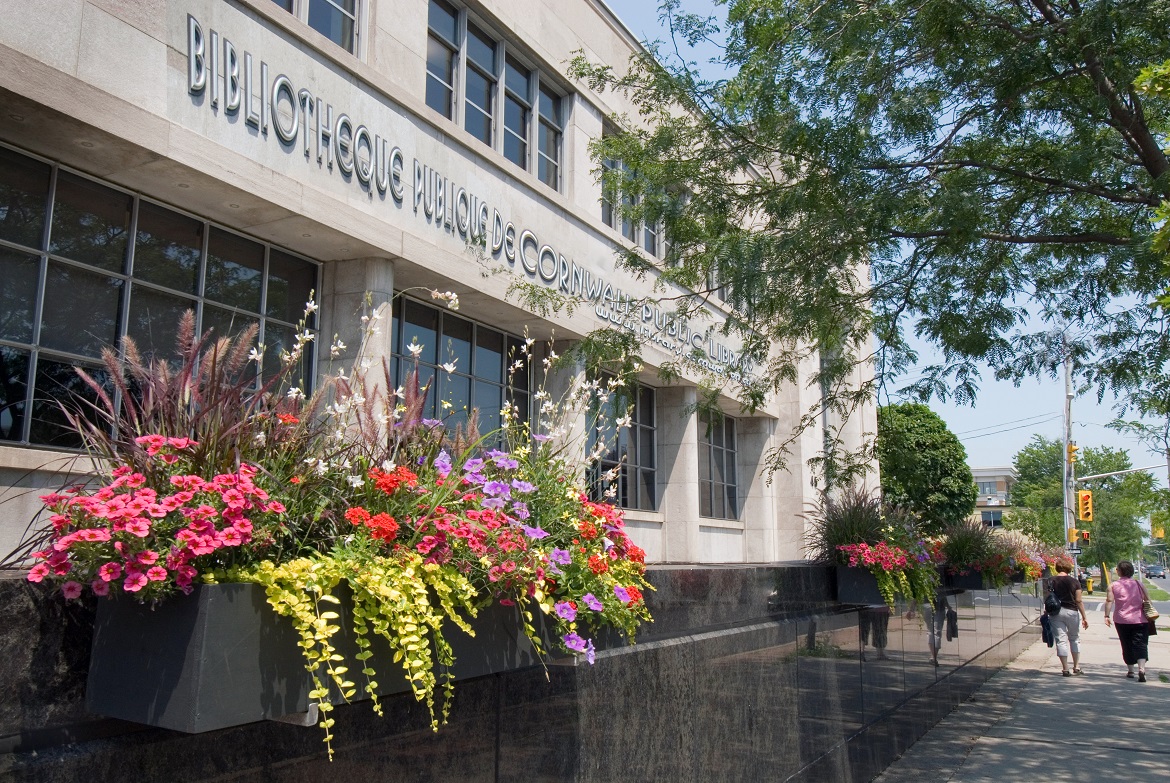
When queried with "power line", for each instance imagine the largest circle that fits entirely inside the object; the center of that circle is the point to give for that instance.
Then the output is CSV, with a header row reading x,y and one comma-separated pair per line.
x,y
1009,429
1049,414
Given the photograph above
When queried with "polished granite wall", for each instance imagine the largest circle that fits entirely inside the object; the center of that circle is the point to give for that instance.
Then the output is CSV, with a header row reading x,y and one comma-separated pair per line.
x,y
747,673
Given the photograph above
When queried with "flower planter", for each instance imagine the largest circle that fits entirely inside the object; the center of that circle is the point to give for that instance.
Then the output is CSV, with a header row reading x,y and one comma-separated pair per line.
x,y
222,657
856,585
971,580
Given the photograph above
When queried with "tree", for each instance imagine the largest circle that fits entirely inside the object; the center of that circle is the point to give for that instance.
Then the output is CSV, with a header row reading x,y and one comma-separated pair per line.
x,y
1119,502
923,466
989,162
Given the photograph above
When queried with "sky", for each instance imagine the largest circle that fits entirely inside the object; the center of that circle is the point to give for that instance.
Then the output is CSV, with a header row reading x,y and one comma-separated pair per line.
x,y
1005,417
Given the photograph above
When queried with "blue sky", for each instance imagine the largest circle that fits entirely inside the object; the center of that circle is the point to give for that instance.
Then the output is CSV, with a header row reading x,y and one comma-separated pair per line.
x,y
1005,417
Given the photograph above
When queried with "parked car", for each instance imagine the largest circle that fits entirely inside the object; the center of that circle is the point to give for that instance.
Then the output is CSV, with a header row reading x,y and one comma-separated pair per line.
x,y
1155,572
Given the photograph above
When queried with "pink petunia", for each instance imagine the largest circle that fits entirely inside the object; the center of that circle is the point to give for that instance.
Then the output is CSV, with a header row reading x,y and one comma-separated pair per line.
x,y
71,590
99,587
110,571
276,507
38,572
157,574
148,557
135,581
139,527
231,537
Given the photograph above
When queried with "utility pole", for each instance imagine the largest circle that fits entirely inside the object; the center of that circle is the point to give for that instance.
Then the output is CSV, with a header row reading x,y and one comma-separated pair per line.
x,y
1069,470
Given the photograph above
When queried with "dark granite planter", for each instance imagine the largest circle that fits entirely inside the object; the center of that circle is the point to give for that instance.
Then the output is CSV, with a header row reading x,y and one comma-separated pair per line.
x,y
857,586
222,657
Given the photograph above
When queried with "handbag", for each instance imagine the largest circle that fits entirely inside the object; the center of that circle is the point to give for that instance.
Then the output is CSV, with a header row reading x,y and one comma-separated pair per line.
x,y
1148,609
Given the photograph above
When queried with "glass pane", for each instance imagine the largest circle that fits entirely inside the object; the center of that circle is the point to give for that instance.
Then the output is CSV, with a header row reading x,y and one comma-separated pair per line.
x,y
440,61
647,490
334,20
13,388
523,405
705,499
732,509
521,378
441,18
650,240
456,343
489,355
717,473
285,4
647,457
646,406
729,464
223,323
455,390
550,107
80,311
24,192
154,321
235,269
488,401
421,326
57,382
290,280
515,140
438,96
167,248
481,49
715,429
277,339
19,277
427,386
704,462
90,222
729,428
517,79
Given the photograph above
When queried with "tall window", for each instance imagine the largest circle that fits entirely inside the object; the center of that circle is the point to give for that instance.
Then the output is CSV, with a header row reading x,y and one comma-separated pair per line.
x,y
480,82
648,237
509,106
442,52
517,111
108,264
631,453
549,145
337,20
718,490
464,363
992,518
987,487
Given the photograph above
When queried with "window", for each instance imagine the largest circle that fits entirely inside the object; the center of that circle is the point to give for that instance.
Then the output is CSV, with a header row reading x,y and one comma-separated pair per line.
x,y
631,453
465,363
987,487
337,20
442,51
718,486
549,144
517,111
509,106
646,237
109,264
992,518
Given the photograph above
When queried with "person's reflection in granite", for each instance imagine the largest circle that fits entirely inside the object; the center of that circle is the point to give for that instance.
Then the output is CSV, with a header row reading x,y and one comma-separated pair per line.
x,y
874,624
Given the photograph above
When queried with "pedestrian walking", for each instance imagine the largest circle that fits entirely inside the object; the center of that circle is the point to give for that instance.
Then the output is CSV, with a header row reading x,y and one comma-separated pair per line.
x,y
1125,597
1065,626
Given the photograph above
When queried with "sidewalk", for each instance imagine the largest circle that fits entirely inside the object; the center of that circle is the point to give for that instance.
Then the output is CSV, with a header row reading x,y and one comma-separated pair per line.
x,y
1030,723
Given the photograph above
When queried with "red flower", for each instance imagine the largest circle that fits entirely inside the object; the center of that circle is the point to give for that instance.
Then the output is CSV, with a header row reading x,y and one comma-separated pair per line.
x,y
598,564
288,418
634,593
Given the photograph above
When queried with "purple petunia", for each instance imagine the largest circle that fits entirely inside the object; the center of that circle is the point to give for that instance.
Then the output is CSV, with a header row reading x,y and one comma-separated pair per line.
x,y
565,611
574,642
497,488
561,556
621,594
541,438
523,487
534,532
520,510
591,601
507,463
472,465
496,504
432,422
443,463
590,653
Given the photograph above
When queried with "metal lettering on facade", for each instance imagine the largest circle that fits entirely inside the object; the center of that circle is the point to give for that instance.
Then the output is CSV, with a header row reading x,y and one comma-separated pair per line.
x,y
299,118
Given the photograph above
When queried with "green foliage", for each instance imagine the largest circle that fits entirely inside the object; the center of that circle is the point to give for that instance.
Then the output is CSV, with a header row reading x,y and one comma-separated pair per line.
x,y
986,161
923,466
855,517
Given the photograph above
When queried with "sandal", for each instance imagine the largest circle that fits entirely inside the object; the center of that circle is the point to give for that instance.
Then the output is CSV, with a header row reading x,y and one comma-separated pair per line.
x,y
1066,673
1129,675
1077,671
1141,676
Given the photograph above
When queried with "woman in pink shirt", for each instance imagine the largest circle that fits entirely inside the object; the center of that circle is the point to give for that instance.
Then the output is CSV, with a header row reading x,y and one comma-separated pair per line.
x,y
1128,594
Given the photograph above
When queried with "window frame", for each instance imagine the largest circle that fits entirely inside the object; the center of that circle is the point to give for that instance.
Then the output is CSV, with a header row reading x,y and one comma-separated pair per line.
x,y
635,233
726,455
300,10
539,79
627,448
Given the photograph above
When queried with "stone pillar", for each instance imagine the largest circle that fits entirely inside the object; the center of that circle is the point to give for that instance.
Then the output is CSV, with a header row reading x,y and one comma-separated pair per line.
x,y
678,473
758,511
344,302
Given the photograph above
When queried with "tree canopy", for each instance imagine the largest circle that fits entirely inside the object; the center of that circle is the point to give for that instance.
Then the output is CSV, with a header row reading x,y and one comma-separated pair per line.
x,y
923,466
1119,502
989,162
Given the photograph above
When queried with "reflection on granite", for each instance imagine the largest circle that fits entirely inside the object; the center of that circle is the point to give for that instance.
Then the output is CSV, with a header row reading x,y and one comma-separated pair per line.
x,y
747,674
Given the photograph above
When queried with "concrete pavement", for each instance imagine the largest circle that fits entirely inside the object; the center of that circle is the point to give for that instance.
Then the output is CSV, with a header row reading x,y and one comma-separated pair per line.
x,y
1029,723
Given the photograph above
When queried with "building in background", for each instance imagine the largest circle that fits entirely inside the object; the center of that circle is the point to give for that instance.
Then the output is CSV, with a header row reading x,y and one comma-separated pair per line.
x,y
236,157
994,496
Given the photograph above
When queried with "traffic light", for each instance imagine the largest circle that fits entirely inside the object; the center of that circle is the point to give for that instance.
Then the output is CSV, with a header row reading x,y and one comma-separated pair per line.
x,y
1085,505
1072,535
1085,536
1072,453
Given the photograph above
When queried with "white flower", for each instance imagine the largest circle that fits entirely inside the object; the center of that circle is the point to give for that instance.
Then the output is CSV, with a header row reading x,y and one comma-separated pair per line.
x,y
366,364
623,422
257,354
388,466
305,337
449,367
415,349
260,439
310,307
336,349
355,481
295,393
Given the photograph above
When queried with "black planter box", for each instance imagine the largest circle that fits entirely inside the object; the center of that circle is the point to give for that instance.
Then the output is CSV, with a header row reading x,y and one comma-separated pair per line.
x,y
856,585
222,657
972,580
